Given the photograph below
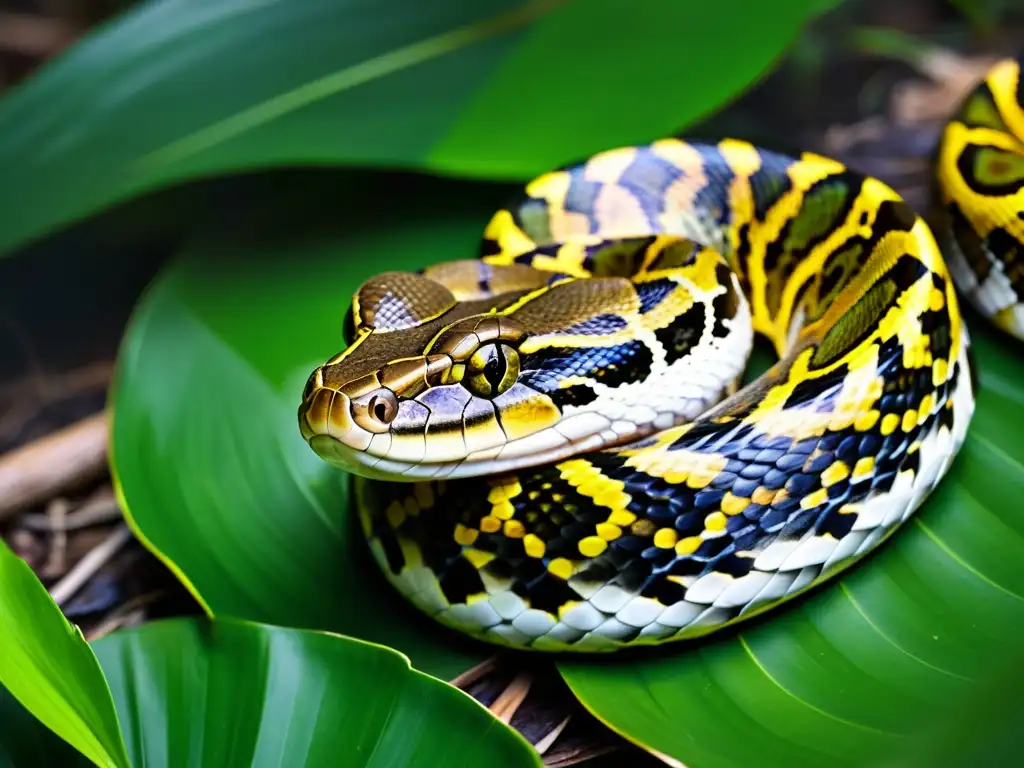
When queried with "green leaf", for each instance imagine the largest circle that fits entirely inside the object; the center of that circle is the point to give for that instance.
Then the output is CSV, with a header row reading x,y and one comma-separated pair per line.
x,y
206,448
985,728
48,667
228,693
182,89
27,743
858,672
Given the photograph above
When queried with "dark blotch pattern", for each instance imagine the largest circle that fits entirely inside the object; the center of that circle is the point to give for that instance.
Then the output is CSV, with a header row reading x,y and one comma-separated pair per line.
x,y
619,364
770,182
652,293
649,177
679,336
598,325
966,164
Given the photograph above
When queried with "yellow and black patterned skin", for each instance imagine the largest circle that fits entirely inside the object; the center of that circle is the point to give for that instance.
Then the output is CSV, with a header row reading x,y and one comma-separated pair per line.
x,y
980,197
549,448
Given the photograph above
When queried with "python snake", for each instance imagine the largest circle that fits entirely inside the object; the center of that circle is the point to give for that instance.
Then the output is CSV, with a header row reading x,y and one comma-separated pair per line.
x,y
550,446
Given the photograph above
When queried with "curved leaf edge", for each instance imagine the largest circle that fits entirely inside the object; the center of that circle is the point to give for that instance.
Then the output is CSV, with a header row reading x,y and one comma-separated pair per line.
x,y
98,753
433,682
115,476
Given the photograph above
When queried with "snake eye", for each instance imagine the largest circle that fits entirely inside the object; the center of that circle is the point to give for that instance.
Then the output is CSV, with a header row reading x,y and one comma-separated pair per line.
x,y
492,369
373,412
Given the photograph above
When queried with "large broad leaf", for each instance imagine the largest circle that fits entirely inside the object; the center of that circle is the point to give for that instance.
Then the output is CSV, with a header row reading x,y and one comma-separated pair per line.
x,y
868,670
27,743
194,693
206,448
227,693
47,666
179,89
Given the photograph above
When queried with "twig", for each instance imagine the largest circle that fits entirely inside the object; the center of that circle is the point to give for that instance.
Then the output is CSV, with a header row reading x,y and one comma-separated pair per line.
x,y
100,508
85,568
47,467
544,744
567,757
470,676
125,614
118,620
27,547
505,706
31,35
57,514
54,386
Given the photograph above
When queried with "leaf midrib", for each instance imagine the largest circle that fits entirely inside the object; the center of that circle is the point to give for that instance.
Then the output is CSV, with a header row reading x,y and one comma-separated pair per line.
x,y
345,79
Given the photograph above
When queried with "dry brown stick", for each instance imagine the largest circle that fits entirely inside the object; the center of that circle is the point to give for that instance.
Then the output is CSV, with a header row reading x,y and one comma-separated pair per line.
x,y
51,465
505,706
121,615
473,674
87,567
127,614
100,507
31,35
117,621
576,755
57,562
18,414
545,743
49,386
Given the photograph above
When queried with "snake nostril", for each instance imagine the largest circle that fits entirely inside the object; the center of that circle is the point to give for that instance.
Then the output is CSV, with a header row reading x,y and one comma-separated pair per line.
x,y
383,408
374,412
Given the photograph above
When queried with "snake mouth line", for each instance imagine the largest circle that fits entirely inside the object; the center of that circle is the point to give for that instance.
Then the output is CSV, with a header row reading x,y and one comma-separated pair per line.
x,y
332,435
488,462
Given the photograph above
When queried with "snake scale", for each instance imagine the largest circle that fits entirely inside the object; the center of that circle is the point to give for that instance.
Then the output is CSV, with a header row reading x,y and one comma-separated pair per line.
x,y
550,444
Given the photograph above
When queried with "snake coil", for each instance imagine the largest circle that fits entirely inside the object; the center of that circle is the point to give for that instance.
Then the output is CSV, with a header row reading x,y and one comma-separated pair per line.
x,y
550,444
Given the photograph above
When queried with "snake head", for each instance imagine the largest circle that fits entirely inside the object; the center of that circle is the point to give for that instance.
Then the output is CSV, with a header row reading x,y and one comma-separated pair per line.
x,y
426,384
434,385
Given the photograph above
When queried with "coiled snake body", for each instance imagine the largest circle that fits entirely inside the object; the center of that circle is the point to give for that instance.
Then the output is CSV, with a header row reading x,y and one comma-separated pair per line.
x,y
542,451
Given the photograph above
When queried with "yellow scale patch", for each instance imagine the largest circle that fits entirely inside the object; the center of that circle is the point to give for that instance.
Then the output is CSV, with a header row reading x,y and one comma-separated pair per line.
x,y
696,470
591,482
500,496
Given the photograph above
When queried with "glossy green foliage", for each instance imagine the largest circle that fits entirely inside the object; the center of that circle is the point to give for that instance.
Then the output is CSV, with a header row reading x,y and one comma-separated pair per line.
x,y
25,742
188,693
47,666
182,89
194,693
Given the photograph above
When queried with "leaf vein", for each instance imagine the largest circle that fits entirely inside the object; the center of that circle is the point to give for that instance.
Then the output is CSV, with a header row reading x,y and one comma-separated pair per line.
x,y
764,670
881,633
